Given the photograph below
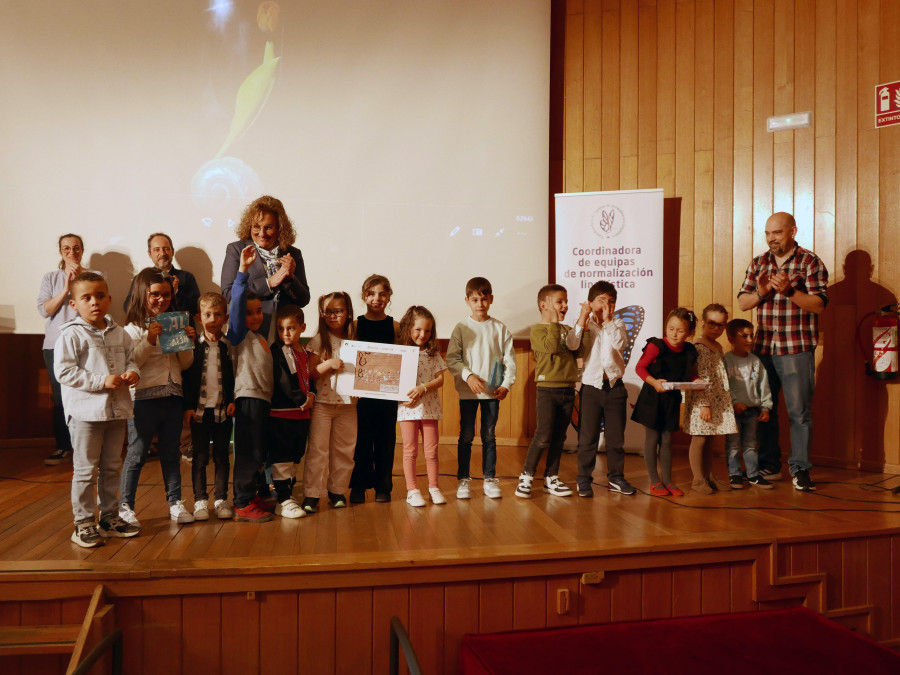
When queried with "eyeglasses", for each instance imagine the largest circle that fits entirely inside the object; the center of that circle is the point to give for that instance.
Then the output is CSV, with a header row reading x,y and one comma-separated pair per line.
x,y
71,249
334,313
715,324
156,295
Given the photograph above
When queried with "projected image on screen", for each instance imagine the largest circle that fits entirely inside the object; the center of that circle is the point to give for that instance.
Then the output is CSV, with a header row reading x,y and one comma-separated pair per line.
x,y
404,138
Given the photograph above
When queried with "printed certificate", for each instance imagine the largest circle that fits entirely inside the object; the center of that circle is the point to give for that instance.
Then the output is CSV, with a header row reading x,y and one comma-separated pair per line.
x,y
375,370
174,337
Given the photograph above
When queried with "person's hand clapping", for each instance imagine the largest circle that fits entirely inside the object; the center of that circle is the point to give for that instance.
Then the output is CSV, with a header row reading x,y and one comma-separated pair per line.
x,y
764,284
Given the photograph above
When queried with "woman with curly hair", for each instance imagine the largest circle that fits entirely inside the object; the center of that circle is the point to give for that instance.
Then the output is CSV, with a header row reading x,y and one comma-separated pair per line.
x,y
278,275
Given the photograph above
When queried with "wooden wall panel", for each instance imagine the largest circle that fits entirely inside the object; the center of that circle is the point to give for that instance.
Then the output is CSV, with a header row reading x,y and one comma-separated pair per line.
x,y
709,73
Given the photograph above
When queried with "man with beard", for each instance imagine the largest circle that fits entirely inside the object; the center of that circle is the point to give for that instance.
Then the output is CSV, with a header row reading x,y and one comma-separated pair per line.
x,y
162,254
787,285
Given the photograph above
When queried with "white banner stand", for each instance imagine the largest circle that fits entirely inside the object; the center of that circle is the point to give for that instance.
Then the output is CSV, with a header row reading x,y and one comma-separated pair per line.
x,y
617,237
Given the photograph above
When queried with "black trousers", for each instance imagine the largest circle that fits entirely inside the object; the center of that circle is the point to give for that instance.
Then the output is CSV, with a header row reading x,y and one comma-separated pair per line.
x,y
251,418
602,409
376,436
554,413
219,433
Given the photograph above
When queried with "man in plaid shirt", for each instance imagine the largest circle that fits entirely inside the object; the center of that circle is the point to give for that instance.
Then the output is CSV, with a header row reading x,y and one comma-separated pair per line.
x,y
787,285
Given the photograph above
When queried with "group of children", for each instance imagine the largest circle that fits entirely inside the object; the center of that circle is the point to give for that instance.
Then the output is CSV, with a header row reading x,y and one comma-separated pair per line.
x,y
282,402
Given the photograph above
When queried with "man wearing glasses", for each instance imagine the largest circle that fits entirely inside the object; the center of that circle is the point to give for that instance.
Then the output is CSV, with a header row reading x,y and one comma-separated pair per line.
x,y
787,286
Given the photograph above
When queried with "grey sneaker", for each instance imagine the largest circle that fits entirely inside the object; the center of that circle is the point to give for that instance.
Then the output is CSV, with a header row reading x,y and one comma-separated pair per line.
x,y
621,485
127,514
86,535
116,527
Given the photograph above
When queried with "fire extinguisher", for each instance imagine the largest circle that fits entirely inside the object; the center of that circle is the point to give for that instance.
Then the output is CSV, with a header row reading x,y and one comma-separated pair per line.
x,y
885,363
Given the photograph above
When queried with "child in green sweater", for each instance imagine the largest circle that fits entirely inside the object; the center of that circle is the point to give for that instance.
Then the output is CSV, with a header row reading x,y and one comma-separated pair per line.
x,y
555,374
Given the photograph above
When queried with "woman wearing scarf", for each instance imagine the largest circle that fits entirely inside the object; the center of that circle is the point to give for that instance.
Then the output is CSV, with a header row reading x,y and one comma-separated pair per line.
x,y
278,275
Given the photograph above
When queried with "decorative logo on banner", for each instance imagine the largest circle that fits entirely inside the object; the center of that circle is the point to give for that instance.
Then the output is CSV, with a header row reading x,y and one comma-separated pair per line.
x,y
887,104
608,221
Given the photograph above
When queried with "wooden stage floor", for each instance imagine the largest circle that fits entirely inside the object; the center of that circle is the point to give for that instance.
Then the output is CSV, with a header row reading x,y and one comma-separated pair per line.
x,y
35,521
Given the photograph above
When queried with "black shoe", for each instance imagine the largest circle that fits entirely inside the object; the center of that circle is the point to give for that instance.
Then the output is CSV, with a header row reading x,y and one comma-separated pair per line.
x,y
116,527
621,485
737,482
58,457
769,474
357,496
337,501
585,490
382,497
803,482
310,505
759,481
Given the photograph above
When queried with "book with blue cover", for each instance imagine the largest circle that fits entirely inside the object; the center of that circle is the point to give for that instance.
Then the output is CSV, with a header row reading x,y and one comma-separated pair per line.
x,y
174,337
496,378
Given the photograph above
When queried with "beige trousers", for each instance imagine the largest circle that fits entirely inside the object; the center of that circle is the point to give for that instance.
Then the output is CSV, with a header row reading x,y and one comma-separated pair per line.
x,y
332,440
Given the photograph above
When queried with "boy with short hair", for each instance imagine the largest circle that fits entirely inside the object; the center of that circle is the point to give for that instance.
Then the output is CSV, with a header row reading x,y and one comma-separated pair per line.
x,y
209,405
94,364
604,399
477,346
752,400
253,386
555,373
292,401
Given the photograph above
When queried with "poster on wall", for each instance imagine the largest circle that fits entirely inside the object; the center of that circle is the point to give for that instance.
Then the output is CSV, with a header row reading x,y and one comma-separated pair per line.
x,y
615,237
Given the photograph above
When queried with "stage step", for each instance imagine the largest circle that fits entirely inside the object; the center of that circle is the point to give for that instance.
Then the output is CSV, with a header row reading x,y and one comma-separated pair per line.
x,y
19,640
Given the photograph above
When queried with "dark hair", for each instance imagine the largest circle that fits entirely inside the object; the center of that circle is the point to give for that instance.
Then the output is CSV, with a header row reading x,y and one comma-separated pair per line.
x,y
714,307
251,296
325,352
685,315
159,234
289,312
602,287
259,206
406,326
547,290
737,325
478,285
137,306
83,278
213,299
62,263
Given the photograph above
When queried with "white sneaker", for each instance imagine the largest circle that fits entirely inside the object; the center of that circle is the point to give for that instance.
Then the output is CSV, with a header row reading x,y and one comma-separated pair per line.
x,y
414,498
555,486
462,490
201,509
492,488
289,508
523,489
436,496
179,514
223,510
126,513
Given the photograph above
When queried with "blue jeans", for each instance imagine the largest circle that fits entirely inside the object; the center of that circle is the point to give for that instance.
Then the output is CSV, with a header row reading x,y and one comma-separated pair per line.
x,y
161,416
795,375
490,411
744,440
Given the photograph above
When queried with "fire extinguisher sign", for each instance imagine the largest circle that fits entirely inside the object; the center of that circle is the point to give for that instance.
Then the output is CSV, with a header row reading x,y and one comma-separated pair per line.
x,y
887,104
884,347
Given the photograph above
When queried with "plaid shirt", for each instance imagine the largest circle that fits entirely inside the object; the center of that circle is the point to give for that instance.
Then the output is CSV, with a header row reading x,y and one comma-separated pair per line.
x,y
783,327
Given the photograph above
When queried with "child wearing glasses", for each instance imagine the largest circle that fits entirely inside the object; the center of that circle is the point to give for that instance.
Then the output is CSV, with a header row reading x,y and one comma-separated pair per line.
x,y
708,412
332,432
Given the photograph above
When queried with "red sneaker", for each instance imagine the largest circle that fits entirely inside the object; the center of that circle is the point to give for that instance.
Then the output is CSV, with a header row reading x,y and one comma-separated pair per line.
x,y
659,490
674,491
263,504
252,514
